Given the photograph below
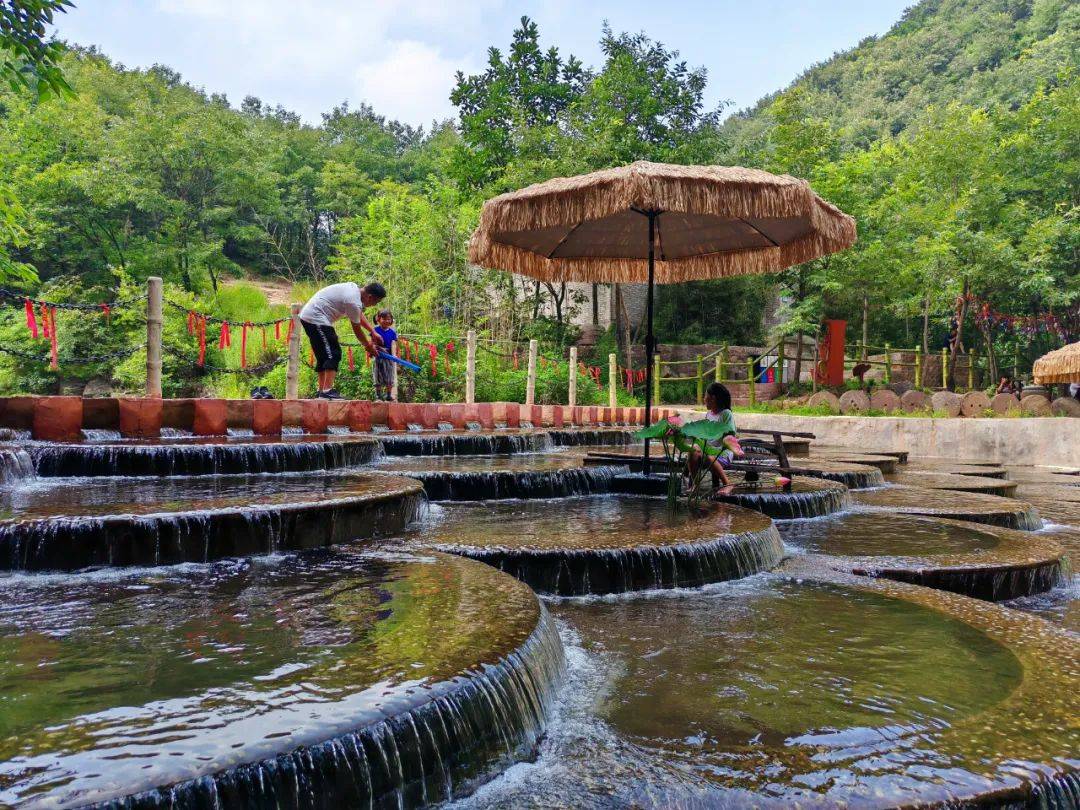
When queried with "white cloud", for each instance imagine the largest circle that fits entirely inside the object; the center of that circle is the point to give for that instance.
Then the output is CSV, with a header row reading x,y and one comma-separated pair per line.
x,y
412,82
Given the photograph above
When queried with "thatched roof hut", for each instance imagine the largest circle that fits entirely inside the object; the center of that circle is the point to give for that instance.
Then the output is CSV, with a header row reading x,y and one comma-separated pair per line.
x,y
1059,366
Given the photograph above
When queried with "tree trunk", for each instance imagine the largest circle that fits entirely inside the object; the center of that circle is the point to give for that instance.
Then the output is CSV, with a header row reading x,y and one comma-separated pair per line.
x,y
595,304
954,345
798,356
926,327
865,324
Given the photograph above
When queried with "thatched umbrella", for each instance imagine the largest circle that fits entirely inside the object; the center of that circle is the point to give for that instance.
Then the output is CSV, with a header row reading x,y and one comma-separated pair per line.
x,y
658,223
1059,366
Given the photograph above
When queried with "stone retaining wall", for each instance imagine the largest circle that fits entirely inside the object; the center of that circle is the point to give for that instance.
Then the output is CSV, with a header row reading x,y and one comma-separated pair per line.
x,y
64,418
1030,440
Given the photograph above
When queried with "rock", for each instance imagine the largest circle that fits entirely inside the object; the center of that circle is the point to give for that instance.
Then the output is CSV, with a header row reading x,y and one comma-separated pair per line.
x,y
1005,403
98,387
974,403
947,402
885,400
1035,405
901,387
826,398
914,400
854,402
1065,406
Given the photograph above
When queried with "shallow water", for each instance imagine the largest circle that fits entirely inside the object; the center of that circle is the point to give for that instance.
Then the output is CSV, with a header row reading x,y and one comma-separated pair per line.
x,y
123,682
54,497
874,534
605,522
765,693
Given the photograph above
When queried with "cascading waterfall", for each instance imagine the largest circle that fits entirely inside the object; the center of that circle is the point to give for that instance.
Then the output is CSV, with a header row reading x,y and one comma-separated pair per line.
x,y
479,485
16,466
464,444
441,749
201,534
581,437
200,458
807,498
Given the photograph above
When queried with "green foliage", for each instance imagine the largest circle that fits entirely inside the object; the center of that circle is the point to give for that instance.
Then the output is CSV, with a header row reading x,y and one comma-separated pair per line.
x,y
27,59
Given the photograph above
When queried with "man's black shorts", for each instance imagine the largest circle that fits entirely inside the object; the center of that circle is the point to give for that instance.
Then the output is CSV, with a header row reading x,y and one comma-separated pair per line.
x,y
325,345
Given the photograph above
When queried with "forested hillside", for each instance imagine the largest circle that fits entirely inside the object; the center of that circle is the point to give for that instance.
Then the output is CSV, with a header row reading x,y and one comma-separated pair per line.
x,y
951,139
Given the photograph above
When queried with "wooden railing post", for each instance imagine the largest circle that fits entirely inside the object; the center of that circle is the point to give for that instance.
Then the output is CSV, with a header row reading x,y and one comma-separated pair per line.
x,y
971,371
718,375
750,381
918,366
613,379
292,370
700,380
470,366
780,363
571,394
727,361
530,383
944,367
393,372
888,364
153,336
656,380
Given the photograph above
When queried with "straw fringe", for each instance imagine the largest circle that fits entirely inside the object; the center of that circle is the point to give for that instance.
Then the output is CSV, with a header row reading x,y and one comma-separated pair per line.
x,y
1059,366
726,191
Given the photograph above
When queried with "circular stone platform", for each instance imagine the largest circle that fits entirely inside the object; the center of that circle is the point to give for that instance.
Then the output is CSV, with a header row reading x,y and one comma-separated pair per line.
x,y
972,506
831,449
71,523
911,697
608,544
808,497
987,562
923,465
358,679
478,478
887,464
853,476
211,456
956,483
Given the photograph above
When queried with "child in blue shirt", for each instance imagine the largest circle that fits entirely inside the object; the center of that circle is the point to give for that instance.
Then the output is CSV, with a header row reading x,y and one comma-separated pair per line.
x,y
382,370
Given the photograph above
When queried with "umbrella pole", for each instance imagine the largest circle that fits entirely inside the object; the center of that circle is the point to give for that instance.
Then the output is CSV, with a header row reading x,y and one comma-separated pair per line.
x,y
650,341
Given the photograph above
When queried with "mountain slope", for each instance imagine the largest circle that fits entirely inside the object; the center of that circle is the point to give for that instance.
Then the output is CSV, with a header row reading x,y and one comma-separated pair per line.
x,y
973,51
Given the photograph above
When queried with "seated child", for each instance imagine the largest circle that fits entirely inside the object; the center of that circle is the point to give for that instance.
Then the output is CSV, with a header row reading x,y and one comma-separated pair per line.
x,y
718,401
382,370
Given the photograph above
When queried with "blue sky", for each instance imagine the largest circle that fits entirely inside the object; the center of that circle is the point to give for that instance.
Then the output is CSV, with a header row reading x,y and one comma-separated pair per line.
x,y
400,55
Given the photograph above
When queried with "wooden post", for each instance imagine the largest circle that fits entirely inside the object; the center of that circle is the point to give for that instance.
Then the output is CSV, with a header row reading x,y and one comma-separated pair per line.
x,y
530,384
656,379
470,366
888,364
971,371
718,375
750,381
153,336
727,360
613,379
814,371
393,370
1016,361
700,380
944,368
780,362
918,366
292,370
571,398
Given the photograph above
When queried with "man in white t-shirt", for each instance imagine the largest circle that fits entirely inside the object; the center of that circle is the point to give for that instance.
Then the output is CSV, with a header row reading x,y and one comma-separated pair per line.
x,y
326,307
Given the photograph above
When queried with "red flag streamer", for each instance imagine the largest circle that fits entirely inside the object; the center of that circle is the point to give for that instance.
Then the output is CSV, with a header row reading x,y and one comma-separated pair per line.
x,y
106,310
224,338
352,362
264,337
191,322
515,360
288,335
31,321
243,345
45,321
200,327
434,352
277,330
52,338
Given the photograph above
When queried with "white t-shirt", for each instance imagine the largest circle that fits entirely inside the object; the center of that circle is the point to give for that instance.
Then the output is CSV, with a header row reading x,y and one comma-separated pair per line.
x,y
331,304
